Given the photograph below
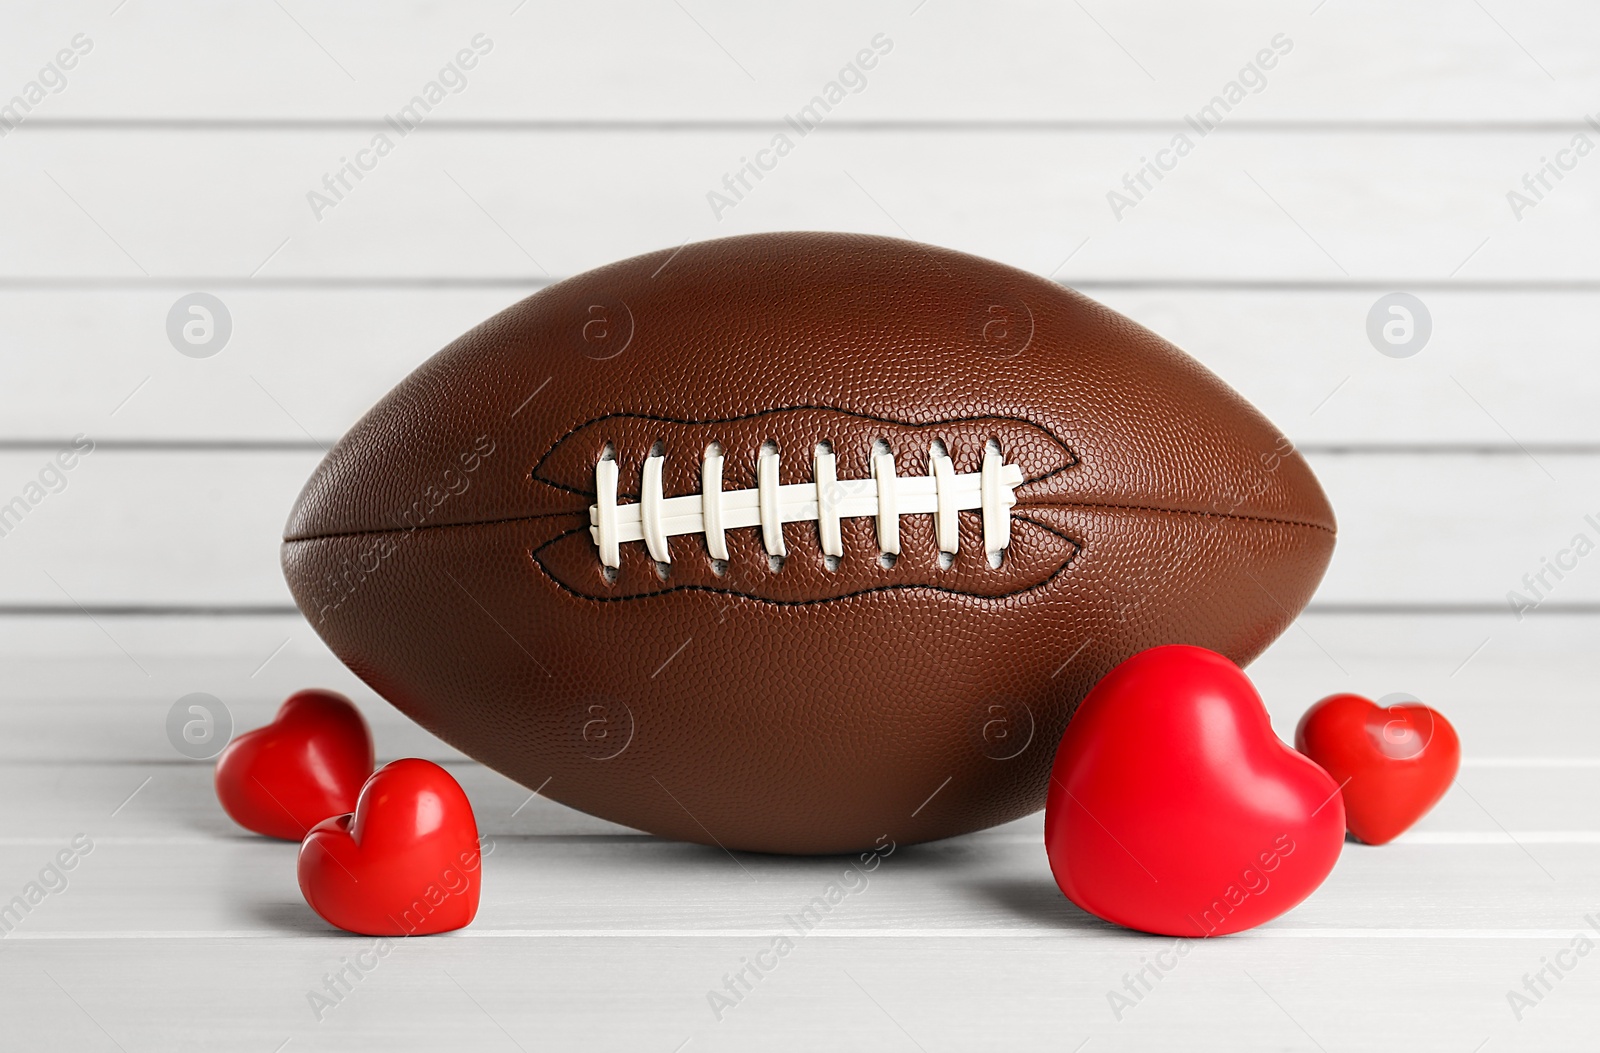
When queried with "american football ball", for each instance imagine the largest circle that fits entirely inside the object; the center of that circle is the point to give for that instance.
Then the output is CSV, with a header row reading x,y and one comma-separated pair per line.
x,y
796,542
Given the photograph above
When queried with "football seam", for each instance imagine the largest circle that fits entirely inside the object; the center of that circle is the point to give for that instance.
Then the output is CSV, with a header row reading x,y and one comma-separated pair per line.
x,y
1274,520
1077,550
1072,457
1084,505
1016,511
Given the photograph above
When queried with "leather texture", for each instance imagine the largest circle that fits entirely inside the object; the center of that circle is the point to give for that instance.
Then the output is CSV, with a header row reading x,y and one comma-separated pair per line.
x,y
442,547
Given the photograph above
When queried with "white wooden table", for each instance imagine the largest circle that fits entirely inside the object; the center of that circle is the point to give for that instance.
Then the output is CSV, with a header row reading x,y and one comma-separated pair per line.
x,y
1377,156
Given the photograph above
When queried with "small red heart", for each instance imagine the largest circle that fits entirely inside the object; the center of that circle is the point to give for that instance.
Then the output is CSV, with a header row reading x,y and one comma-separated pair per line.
x,y
1394,762
405,864
1174,809
309,763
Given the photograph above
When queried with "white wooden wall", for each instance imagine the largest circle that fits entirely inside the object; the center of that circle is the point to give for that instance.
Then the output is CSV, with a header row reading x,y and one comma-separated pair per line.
x,y
1376,158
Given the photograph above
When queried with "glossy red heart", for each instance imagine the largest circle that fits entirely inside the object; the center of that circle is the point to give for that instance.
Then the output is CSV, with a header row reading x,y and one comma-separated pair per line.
x,y
309,763
1174,809
406,863
1394,762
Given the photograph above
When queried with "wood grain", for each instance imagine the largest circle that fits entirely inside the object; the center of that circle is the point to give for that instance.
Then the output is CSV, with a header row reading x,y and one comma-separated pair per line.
x,y
138,526
1513,362
1376,157
1315,206
1355,61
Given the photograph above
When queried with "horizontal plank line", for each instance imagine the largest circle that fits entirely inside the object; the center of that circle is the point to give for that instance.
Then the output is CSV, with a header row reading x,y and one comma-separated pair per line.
x,y
1416,838
223,610
1530,762
147,610
1422,838
1510,763
291,282
1449,449
530,282
1499,837
1064,932
315,445
1449,609
174,445
616,125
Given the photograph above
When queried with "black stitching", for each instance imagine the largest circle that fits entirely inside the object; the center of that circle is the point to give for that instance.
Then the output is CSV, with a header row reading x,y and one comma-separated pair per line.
x,y
1274,520
428,526
1077,550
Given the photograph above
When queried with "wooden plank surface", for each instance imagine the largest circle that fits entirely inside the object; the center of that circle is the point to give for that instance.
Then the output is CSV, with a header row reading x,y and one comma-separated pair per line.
x,y
202,527
1315,206
100,360
1356,61
1375,154
97,691
592,934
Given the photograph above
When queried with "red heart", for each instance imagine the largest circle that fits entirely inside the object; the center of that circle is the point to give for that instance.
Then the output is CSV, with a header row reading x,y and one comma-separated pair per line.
x,y
1174,809
1393,762
405,864
309,763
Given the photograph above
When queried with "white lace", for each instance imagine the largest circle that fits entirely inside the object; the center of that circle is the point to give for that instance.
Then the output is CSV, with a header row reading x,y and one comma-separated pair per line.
x,y
827,499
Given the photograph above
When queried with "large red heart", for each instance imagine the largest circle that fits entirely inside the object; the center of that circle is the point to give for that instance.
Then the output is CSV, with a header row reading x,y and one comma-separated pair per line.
x,y
309,763
405,864
1174,809
1394,762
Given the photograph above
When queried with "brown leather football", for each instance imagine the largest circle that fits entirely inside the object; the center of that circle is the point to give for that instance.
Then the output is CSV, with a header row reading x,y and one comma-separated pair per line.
x,y
796,542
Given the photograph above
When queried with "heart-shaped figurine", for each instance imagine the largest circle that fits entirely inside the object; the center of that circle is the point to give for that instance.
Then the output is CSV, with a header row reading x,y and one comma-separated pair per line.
x,y
309,763
1394,762
405,864
1174,809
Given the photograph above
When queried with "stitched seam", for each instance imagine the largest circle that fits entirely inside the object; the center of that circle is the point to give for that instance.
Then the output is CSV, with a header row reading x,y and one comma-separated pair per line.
x,y
1077,549
1072,457
1274,520
613,524
430,526
1016,511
